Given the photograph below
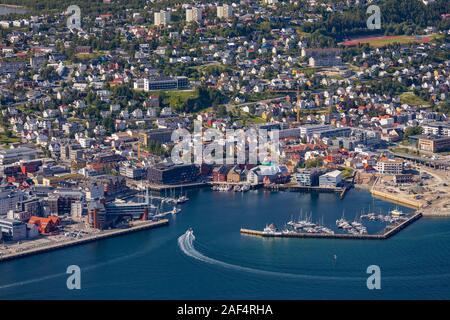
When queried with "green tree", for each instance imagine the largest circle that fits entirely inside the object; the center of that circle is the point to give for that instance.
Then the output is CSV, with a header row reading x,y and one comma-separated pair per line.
x,y
412,131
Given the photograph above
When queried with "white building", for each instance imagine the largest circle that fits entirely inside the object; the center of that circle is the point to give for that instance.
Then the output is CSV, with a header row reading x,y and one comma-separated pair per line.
x,y
142,85
390,166
194,14
224,11
309,130
330,179
162,18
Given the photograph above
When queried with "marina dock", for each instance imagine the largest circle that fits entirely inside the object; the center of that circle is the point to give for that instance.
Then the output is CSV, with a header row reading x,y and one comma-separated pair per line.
x,y
296,188
90,238
388,232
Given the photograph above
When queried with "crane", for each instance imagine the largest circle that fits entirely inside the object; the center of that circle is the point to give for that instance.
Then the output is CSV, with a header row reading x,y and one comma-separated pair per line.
x,y
298,92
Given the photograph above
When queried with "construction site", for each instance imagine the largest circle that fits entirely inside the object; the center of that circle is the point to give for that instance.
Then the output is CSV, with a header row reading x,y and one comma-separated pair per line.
x,y
426,191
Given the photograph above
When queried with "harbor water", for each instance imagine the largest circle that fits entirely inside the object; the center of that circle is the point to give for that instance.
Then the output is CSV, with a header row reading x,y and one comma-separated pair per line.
x,y
217,262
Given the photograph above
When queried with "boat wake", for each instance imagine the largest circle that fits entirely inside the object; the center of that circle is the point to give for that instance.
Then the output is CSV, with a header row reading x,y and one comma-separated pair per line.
x,y
186,244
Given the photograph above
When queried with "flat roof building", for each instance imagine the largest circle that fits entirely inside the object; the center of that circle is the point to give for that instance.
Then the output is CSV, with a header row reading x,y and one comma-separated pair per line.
x,y
164,173
390,166
13,230
8,156
331,179
433,143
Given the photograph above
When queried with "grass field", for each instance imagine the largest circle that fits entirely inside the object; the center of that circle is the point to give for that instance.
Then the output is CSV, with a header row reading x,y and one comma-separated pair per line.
x,y
210,67
387,40
89,56
177,98
7,140
413,100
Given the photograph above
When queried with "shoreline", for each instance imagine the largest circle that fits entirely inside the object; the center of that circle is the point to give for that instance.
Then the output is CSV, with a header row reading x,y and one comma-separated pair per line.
x,y
90,238
396,199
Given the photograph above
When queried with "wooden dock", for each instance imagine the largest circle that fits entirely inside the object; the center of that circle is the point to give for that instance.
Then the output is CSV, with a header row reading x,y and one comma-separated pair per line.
x,y
387,232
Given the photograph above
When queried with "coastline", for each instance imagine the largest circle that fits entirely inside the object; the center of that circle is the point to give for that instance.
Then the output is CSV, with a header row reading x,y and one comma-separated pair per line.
x,y
91,238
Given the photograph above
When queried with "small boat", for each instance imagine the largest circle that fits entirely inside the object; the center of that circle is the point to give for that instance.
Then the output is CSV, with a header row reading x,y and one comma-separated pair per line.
x,y
356,224
397,213
271,229
175,210
287,231
182,199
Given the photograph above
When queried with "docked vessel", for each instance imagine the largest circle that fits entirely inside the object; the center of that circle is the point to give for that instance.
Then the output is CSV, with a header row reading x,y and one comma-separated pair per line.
x,y
182,199
271,229
397,213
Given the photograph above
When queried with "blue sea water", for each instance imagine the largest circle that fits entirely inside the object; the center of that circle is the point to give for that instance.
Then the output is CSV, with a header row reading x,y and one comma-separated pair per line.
x,y
223,264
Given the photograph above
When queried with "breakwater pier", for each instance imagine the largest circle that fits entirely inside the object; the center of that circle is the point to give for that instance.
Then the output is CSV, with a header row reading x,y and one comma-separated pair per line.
x,y
387,232
140,226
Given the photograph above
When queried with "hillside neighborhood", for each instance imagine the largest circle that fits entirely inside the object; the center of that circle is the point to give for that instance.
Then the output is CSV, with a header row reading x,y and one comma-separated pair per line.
x,y
87,115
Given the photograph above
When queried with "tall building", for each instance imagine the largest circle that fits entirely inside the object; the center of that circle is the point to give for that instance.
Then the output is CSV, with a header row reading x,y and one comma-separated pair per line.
x,y
162,18
194,14
9,198
224,11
